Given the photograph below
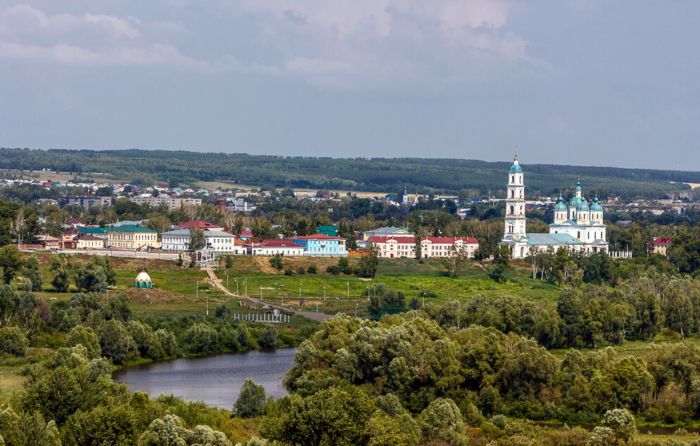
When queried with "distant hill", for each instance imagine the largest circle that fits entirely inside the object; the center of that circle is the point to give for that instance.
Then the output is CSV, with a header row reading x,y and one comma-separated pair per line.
x,y
377,174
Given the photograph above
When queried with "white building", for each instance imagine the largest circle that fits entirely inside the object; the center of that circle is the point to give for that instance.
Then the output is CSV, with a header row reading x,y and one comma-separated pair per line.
x,y
179,240
272,247
576,227
220,241
171,203
431,247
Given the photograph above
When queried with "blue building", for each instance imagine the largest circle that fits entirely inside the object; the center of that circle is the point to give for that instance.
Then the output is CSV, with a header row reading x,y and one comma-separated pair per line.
x,y
321,245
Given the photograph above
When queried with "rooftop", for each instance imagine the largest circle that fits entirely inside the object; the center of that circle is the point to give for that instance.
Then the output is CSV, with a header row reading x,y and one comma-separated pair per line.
x,y
552,239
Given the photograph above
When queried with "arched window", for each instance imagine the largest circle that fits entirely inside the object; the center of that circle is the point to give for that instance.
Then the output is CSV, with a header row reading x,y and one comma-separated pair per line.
x,y
512,194
521,194
579,235
512,210
512,179
522,251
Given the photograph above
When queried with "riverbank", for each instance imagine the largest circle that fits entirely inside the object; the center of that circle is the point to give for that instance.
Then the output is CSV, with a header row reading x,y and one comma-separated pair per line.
x,y
215,379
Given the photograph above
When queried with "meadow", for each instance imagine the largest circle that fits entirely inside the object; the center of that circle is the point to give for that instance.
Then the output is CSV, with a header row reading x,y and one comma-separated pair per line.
x,y
344,293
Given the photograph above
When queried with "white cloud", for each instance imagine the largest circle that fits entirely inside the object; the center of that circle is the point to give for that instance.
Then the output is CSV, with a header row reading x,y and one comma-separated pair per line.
x,y
360,42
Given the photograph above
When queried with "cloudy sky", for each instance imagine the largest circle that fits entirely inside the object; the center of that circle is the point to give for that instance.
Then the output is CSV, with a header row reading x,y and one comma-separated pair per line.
x,y
577,82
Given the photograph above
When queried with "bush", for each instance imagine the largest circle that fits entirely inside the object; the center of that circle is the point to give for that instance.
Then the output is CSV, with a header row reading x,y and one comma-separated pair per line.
x,y
289,272
313,269
301,270
268,337
222,312
333,269
276,261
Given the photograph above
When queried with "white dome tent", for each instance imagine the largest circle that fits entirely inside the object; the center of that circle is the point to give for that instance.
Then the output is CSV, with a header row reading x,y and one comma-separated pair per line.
x,y
143,280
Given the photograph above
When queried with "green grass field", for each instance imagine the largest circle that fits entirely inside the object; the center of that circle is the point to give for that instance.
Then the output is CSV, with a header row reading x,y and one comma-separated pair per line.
x,y
254,276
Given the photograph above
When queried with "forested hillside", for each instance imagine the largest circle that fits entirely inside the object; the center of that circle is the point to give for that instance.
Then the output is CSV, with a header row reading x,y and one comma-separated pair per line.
x,y
377,174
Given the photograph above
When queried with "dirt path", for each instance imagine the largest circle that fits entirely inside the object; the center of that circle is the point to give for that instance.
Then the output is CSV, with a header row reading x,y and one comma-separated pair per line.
x,y
320,317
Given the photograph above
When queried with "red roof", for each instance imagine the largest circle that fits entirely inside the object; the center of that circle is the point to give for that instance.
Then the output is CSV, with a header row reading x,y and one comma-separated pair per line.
x,y
447,240
197,224
246,234
316,237
662,241
280,244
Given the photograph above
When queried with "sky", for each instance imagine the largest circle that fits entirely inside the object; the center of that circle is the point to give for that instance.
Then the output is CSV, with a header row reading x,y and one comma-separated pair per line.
x,y
604,83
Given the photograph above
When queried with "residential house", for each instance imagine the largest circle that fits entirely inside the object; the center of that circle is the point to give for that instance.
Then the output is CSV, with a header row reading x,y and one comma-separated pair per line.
x,y
87,241
132,237
272,247
179,240
48,241
659,246
321,245
171,202
87,201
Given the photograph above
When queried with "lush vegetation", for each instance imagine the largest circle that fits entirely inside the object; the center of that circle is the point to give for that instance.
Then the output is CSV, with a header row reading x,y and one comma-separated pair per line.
x,y
378,174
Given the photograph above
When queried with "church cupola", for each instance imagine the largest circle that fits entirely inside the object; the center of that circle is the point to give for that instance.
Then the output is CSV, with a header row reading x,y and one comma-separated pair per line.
x,y
560,211
596,212
583,213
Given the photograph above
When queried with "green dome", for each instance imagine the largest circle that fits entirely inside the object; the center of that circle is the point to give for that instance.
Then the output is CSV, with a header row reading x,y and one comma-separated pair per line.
x,y
583,206
596,206
560,205
516,166
578,185
575,201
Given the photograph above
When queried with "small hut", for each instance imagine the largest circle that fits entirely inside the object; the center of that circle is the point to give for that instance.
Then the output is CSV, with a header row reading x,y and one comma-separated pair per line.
x,y
143,280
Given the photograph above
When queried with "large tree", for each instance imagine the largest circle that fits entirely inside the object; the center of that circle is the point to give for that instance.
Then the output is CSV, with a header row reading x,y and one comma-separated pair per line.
x,y
11,263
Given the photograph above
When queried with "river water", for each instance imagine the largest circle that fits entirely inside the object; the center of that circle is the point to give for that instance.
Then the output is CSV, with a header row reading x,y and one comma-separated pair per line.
x,y
215,379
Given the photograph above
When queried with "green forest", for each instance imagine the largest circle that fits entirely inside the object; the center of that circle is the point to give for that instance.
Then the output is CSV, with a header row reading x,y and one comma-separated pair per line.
x,y
420,175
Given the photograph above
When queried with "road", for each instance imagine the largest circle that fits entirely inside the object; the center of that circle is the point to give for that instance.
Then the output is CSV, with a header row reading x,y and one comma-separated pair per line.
x,y
320,317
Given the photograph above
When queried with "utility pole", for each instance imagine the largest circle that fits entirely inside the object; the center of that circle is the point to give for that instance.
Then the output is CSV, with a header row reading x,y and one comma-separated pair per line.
x,y
299,289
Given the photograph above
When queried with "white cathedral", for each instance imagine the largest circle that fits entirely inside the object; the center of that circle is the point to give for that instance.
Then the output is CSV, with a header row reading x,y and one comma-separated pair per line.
x,y
576,227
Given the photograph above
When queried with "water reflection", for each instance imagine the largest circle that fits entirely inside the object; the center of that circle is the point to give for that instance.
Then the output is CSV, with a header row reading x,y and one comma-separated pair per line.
x,y
215,379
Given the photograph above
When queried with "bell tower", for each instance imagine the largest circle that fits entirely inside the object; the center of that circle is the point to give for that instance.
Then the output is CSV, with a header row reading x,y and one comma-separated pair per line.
x,y
515,202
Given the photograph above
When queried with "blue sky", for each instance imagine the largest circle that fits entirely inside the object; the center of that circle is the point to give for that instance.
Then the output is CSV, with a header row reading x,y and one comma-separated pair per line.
x,y
569,82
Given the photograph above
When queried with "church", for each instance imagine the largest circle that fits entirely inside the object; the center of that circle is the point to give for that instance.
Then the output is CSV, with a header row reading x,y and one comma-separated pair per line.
x,y
576,227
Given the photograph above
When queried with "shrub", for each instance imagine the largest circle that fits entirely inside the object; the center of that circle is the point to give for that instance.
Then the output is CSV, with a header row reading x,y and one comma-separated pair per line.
x,y
268,337
313,269
289,272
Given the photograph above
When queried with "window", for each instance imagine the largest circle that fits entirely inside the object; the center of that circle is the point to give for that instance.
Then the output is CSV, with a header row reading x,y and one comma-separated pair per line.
x,y
512,179
579,235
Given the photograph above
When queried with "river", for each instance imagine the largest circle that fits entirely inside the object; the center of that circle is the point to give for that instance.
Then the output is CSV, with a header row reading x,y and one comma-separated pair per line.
x,y
215,379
